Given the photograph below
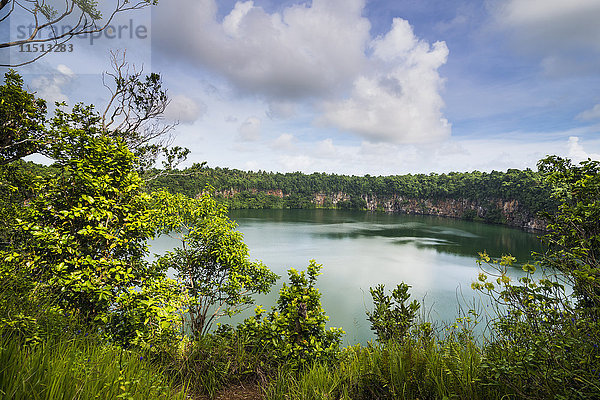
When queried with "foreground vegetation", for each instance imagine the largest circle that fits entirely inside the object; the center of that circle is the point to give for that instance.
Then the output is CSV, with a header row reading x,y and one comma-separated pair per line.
x,y
85,314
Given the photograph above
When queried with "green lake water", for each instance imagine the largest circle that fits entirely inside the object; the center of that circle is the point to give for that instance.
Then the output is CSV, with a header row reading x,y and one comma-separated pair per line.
x,y
358,250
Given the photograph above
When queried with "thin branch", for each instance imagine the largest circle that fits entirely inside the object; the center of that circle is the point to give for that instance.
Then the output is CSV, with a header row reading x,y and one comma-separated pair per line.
x,y
3,3
83,26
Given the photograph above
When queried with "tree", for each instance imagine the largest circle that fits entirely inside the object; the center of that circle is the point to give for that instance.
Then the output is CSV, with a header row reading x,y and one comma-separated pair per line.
x,y
89,225
545,342
574,237
133,115
22,120
212,262
83,241
79,17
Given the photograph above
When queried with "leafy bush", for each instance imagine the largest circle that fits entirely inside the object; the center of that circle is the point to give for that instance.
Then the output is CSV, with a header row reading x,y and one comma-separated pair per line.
x,y
546,337
542,345
392,316
294,331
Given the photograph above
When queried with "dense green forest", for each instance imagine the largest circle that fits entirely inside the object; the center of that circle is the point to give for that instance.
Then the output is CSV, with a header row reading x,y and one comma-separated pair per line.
x,y
84,312
261,189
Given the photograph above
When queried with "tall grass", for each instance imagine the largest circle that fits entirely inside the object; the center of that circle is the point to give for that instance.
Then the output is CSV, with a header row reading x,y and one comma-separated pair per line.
x,y
78,368
441,369
209,363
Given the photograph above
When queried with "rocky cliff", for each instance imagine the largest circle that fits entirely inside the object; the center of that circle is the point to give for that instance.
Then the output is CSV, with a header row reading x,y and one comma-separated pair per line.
x,y
509,212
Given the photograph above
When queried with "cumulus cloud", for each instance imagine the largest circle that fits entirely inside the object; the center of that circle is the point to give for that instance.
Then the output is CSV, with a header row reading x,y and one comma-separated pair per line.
x,y
576,151
249,130
50,87
400,100
63,69
301,51
591,114
320,53
559,31
184,109
326,149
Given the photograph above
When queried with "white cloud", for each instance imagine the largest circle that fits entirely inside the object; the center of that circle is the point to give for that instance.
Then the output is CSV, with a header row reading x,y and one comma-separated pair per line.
x,y
400,100
301,51
326,149
301,163
281,109
532,12
250,129
251,166
317,55
577,152
184,109
50,87
63,69
591,114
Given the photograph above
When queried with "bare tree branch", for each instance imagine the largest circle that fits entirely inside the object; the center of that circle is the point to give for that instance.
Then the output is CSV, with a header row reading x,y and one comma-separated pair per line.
x,y
134,113
88,21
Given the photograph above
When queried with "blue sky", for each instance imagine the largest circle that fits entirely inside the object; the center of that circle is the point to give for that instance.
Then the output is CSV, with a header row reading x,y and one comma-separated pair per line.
x,y
357,87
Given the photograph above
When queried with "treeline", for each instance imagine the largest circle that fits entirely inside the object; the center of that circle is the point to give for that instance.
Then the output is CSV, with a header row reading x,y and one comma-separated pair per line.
x,y
248,189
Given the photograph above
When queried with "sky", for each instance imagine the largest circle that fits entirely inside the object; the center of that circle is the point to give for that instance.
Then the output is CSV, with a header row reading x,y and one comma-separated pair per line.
x,y
353,87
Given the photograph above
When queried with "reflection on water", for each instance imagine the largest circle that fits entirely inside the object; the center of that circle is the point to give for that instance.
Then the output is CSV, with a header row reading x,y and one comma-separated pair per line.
x,y
443,234
358,250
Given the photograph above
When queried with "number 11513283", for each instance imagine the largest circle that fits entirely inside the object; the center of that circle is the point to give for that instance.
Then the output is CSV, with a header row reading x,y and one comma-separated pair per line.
x,y
45,48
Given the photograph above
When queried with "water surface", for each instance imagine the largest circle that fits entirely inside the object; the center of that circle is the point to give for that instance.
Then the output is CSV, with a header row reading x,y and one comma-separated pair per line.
x,y
358,250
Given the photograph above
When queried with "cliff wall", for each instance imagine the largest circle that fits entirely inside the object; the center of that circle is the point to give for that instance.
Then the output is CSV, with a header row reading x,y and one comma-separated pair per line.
x,y
509,212
503,211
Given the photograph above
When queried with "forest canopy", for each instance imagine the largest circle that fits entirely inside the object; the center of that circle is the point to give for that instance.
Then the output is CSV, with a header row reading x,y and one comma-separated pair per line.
x,y
248,189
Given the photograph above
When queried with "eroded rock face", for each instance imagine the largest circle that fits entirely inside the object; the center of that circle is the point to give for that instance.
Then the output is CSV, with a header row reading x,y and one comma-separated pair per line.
x,y
508,212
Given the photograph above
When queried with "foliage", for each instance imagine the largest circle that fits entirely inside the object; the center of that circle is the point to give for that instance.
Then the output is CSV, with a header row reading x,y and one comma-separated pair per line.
x,y
248,189
78,235
84,240
546,336
410,370
542,346
574,238
149,316
134,114
17,186
212,262
89,226
209,363
392,316
23,118
294,332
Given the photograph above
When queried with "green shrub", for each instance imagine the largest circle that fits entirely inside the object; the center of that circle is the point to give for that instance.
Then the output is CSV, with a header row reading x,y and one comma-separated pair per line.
x,y
294,331
392,316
